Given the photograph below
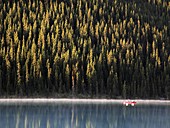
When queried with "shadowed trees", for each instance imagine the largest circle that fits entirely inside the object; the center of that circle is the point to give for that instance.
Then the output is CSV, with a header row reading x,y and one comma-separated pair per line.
x,y
92,48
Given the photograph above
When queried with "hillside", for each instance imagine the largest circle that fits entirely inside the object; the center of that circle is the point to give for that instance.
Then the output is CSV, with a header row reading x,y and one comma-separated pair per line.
x,y
114,48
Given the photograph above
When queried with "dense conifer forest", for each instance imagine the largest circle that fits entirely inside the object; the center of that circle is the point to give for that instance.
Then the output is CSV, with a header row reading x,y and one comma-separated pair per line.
x,y
114,48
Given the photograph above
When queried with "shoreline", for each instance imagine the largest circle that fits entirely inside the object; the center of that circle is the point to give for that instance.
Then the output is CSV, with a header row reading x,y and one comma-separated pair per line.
x,y
28,101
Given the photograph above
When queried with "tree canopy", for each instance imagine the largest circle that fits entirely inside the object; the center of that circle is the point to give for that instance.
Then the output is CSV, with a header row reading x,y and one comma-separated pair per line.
x,y
96,47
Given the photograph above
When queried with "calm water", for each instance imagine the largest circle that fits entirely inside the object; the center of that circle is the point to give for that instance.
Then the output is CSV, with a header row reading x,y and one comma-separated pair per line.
x,y
84,116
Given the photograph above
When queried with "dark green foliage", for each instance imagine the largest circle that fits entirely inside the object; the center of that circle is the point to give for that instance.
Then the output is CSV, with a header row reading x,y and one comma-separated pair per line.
x,y
96,48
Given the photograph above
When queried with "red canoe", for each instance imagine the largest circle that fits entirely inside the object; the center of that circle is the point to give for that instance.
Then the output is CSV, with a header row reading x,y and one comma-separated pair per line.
x,y
132,103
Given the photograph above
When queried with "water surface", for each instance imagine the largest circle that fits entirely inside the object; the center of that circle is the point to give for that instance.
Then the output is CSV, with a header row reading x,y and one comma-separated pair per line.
x,y
75,115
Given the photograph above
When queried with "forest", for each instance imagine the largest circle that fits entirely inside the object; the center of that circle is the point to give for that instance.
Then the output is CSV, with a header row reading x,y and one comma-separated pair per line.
x,y
92,48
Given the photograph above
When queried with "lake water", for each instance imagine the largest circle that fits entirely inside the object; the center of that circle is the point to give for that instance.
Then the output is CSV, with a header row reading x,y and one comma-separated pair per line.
x,y
75,115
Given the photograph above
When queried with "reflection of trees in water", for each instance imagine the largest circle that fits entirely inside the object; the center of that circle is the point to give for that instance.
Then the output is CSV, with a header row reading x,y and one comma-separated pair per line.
x,y
84,116
146,116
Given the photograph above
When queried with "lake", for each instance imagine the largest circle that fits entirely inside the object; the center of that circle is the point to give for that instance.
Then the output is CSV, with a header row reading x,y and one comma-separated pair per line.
x,y
83,115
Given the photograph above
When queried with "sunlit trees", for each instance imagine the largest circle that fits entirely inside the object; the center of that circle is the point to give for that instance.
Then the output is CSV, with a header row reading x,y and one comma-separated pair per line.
x,y
85,47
